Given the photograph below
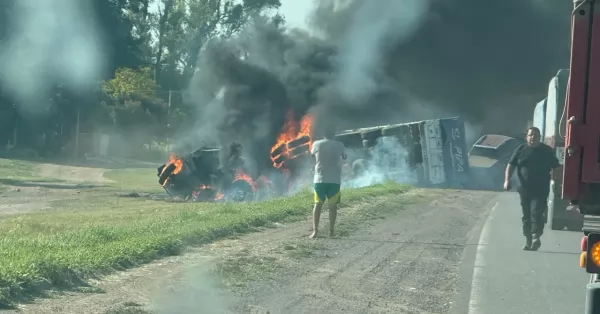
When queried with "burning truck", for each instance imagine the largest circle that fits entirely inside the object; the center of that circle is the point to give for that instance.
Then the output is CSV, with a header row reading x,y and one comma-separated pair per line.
x,y
434,153
200,176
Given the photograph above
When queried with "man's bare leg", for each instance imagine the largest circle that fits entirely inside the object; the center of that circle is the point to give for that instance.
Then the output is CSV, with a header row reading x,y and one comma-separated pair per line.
x,y
332,217
316,218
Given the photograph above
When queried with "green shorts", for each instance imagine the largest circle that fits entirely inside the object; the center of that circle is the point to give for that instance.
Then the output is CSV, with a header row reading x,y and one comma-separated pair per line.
x,y
327,191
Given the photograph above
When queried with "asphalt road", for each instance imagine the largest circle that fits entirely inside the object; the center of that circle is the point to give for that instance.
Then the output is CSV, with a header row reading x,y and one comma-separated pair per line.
x,y
498,277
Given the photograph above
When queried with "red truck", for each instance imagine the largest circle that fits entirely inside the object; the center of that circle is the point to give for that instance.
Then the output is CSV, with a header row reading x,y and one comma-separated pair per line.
x,y
581,171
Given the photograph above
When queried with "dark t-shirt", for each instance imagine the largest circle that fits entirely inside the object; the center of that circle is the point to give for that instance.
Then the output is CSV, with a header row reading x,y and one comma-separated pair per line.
x,y
534,165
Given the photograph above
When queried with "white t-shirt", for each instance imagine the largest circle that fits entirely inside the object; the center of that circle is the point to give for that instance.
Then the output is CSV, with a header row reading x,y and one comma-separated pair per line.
x,y
328,155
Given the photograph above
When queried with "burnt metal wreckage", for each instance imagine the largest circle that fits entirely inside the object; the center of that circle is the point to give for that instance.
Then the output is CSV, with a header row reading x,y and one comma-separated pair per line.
x,y
435,152
199,176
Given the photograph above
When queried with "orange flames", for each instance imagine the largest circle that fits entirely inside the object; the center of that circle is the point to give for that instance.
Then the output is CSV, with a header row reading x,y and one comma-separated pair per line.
x,y
178,162
292,130
240,175
203,187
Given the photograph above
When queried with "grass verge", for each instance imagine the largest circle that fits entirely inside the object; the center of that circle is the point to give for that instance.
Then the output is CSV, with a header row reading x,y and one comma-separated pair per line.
x,y
16,171
99,232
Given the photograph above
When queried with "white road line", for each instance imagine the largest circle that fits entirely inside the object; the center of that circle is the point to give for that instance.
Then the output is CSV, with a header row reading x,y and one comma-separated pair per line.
x,y
478,269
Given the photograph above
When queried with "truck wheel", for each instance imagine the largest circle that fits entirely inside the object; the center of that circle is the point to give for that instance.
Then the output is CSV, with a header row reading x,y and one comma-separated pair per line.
x,y
574,220
166,172
574,225
556,212
298,142
240,191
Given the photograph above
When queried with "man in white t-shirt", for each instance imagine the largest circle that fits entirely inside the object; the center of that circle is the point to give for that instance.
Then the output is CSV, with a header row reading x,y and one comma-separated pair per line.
x,y
328,155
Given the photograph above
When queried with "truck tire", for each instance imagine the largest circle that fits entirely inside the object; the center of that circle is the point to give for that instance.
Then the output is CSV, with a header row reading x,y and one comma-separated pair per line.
x,y
298,150
574,225
240,191
298,142
280,149
574,220
557,208
280,159
166,172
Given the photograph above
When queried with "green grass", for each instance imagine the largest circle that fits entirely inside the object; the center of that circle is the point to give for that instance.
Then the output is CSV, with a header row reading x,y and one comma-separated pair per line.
x,y
99,232
137,179
16,170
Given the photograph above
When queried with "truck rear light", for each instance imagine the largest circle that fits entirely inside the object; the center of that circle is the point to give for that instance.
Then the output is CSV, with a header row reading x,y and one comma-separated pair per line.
x,y
595,254
592,253
584,242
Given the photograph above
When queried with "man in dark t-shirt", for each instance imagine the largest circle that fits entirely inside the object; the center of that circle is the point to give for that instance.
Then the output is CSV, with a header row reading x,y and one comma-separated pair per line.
x,y
534,162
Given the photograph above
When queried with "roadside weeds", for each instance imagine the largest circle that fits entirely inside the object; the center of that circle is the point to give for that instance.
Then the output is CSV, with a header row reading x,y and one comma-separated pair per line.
x,y
98,233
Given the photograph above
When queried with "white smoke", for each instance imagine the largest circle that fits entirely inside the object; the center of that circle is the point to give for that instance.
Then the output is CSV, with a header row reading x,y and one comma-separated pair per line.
x,y
387,160
198,290
376,26
49,41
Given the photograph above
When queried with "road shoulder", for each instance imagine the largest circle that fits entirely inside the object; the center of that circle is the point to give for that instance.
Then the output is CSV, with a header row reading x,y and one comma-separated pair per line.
x,y
467,265
385,251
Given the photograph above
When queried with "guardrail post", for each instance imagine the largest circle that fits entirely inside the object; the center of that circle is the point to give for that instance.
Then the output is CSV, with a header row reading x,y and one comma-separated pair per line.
x,y
592,298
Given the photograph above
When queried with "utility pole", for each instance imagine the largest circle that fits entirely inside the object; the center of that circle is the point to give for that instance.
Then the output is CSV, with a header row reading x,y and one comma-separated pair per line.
x,y
170,97
169,118
76,151
16,129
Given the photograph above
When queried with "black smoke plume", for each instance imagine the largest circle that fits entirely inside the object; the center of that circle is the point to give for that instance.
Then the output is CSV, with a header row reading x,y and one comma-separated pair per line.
x,y
384,61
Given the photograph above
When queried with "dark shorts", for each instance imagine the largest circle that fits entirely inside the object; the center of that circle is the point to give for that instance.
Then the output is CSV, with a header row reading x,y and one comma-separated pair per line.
x,y
327,191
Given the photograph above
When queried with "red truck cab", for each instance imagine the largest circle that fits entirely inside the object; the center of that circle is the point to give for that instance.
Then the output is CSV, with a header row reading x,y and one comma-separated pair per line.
x,y
581,171
581,175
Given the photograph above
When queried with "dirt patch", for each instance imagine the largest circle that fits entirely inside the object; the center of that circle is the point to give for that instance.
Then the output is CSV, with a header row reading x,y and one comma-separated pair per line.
x,y
72,174
22,200
56,182
390,261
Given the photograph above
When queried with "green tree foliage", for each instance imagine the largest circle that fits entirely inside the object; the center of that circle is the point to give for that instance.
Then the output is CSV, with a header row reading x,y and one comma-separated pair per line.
x,y
151,50
128,82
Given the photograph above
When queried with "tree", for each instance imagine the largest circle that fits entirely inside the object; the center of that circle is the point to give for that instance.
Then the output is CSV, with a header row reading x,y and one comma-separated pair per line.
x,y
128,82
169,31
122,47
210,18
138,13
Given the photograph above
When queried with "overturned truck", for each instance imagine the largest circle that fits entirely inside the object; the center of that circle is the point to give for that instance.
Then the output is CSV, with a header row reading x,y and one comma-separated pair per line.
x,y
434,151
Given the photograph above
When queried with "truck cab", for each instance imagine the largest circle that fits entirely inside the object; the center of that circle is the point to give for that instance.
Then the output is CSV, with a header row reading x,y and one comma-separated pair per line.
x,y
548,117
488,158
581,170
